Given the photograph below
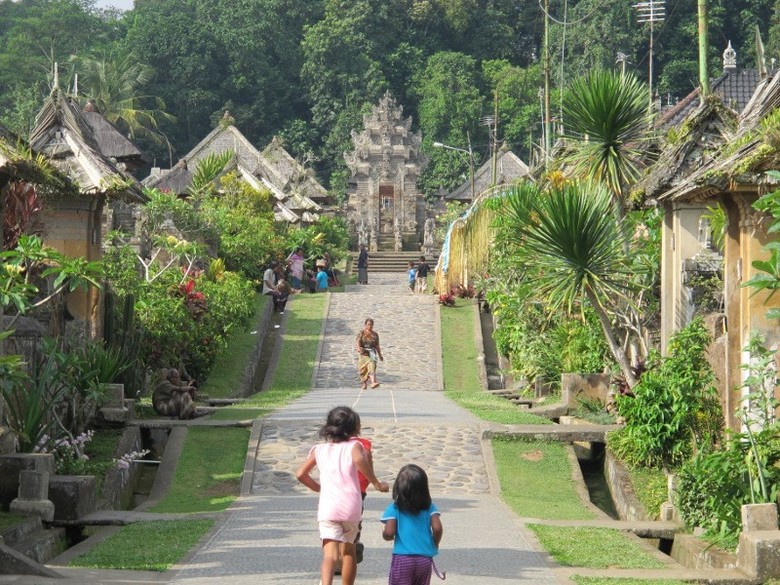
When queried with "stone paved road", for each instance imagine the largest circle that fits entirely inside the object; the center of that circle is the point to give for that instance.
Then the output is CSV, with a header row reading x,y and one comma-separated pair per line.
x,y
270,536
407,327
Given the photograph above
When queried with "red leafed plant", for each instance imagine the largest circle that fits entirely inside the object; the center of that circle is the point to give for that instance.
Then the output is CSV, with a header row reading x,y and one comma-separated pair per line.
x,y
193,299
22,204
447,299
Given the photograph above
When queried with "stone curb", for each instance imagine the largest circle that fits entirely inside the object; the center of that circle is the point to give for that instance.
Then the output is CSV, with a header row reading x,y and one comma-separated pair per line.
x,y
481,360
251,457
437,339
277,351
321,344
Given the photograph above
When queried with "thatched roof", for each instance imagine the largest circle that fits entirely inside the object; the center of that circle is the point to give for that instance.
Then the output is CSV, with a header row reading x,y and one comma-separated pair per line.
x,y
742,161
64,136
273,169
177,180
701,136
509,168
112,143
290,174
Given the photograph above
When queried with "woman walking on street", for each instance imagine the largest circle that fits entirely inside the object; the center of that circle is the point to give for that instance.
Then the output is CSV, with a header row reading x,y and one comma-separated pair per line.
x,y
367,346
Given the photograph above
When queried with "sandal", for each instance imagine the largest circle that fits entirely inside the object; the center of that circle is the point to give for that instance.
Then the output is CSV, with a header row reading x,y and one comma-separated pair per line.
x,y
375,385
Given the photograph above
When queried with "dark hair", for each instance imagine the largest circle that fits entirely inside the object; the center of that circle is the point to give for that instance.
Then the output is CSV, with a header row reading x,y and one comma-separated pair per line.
x,y
342,424
274,264
410,490
367,321
422,258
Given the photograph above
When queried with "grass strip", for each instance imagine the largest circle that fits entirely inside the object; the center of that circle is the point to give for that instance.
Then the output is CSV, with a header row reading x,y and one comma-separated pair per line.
x,y
208,473
536,480
293,372
461,370
225,378
7,520
650,487
573,546
145,546
583,580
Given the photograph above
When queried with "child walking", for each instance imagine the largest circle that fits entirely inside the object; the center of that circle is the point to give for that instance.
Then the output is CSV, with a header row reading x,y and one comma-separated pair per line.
x,y
412,522
339,459
412,275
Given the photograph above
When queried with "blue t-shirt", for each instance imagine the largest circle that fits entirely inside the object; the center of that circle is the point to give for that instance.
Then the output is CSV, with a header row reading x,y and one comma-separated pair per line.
x,y
322,280
412,275
413,534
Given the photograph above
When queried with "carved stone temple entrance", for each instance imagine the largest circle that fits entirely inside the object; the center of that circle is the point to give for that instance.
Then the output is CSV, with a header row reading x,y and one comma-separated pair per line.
x,y
385,210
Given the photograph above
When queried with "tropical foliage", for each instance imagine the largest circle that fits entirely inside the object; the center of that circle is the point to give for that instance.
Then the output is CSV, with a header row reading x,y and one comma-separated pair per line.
x,y
673,411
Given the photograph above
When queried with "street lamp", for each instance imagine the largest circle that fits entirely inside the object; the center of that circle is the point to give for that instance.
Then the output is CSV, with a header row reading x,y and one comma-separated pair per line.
x,y
469,153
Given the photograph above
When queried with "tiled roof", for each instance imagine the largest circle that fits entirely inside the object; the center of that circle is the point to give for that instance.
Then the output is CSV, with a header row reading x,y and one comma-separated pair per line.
x,y
509,168
735,87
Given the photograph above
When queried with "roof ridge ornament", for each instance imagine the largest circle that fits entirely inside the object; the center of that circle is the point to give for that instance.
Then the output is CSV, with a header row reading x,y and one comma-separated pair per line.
x,y
729,58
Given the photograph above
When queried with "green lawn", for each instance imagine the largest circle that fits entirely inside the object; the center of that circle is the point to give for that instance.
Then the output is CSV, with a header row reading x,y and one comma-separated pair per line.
x,y
576,547
582,580
536,480
461,370
145,546
208,473
293,373
225,378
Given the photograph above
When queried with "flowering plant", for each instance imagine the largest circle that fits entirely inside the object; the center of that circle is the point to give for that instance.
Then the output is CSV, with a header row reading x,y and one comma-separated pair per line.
x,y
125,460
69,455
447,299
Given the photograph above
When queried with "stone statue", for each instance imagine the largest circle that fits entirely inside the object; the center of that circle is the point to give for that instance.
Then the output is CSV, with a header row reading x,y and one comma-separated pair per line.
x,y
399,244
373,243
428,239
362,234
705,234
174,397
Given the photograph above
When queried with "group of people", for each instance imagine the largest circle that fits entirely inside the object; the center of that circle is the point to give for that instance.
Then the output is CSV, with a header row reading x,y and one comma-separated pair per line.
x,y
412,521
280,280
418,275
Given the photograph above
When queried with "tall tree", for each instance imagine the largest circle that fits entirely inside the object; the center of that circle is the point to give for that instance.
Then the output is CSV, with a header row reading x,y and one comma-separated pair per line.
x,y
115,83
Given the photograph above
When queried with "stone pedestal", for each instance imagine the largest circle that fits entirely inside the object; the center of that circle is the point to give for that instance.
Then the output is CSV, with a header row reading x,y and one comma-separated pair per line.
x,y
33,497
12,465
592,386
759,517
759,554
74,496
114,410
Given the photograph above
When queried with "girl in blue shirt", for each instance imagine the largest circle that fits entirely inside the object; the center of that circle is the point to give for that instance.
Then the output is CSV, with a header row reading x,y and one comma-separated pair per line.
x,y
412,522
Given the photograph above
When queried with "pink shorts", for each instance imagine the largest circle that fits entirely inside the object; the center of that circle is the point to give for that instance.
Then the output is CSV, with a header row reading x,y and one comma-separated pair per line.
x,y
339,531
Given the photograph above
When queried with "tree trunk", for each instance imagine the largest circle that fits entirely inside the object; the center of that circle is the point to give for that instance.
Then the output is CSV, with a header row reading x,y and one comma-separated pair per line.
x,y
614,346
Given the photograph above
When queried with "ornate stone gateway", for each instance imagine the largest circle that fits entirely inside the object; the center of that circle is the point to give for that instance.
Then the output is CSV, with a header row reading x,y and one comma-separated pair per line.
x,y
385,210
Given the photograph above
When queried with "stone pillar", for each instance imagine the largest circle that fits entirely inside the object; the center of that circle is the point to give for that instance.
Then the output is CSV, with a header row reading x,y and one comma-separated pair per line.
x,y
11,467
33,497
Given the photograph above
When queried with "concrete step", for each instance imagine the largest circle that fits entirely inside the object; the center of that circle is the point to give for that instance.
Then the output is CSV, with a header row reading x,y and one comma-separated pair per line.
x,y
44,545
392,261
22,531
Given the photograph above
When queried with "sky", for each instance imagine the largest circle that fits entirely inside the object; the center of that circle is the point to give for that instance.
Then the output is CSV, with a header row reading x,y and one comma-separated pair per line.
x,y
121,4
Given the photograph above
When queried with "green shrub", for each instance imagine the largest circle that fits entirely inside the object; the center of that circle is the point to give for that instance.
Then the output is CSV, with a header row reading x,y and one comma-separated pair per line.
x,y
327,235
674,410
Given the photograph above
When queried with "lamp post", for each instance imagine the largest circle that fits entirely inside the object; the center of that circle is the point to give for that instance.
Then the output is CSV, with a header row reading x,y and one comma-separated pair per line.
x,y
469,153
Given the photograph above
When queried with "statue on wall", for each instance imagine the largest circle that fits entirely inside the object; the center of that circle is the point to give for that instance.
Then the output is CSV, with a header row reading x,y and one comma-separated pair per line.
x,y
362,233
399,244
373,242
428,239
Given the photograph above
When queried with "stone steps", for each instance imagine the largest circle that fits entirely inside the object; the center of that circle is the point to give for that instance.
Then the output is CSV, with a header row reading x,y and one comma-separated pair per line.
x,y
392,261
43,545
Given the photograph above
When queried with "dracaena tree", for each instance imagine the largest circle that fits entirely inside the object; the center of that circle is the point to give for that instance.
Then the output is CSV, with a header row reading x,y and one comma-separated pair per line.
x,y
606,117
571,250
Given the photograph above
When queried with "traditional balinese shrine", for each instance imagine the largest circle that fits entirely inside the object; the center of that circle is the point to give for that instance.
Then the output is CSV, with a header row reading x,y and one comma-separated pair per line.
x,y
385,210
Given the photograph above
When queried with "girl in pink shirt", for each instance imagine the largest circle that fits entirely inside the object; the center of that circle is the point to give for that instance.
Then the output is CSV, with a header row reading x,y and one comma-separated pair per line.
x,y
338,460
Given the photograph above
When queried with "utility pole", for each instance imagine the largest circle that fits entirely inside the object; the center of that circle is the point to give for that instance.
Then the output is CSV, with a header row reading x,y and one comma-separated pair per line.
x,y
651,11
704,45
495,139
546,68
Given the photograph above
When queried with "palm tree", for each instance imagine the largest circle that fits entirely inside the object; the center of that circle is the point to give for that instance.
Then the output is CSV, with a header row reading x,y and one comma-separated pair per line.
x,y
607,121
572,250
115,84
